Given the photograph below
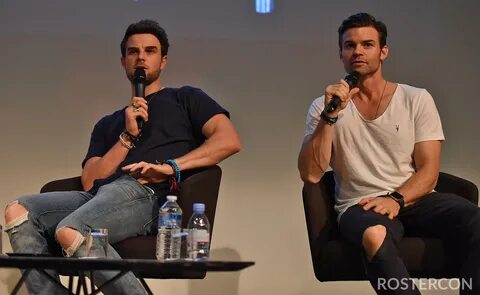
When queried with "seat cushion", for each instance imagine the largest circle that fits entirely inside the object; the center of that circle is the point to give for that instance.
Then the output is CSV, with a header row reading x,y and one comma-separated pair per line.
x,y
424,257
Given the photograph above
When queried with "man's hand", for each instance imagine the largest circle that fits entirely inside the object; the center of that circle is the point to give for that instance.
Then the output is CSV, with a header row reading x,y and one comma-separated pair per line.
x,y
149,173
138,108
342,90
381,205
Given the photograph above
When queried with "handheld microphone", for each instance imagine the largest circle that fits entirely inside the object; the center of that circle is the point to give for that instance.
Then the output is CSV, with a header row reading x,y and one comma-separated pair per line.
x,y
139,80
352,81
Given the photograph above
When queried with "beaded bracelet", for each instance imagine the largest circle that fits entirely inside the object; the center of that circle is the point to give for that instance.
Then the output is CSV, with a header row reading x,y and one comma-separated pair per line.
x,y
175,168
175,178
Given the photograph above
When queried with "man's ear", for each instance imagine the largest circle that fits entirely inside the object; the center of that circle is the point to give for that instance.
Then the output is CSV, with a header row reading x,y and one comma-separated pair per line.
x,y
164,62
384,53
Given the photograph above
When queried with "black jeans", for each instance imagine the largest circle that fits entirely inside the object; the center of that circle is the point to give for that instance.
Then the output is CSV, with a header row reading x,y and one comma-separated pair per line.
x,y
446,216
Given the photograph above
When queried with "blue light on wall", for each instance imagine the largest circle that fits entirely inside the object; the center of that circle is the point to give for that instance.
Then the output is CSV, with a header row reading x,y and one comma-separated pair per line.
x,y
264,6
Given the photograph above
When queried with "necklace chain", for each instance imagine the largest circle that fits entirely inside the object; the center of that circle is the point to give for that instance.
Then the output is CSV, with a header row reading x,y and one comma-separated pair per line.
x,y
381,98
380,101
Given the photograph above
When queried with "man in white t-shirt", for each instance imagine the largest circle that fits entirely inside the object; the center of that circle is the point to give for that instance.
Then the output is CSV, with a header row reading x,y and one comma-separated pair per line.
x,y
383,143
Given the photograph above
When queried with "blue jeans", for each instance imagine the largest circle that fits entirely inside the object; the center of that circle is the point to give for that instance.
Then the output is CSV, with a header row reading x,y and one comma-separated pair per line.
x,y
125,207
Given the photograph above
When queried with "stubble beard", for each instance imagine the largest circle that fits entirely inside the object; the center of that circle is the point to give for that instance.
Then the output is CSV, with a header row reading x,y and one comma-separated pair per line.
x,y
151,77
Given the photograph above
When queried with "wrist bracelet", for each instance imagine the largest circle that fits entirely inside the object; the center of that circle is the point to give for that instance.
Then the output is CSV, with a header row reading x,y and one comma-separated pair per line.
x,y
130,136
327,119
124,143
175,178
176,169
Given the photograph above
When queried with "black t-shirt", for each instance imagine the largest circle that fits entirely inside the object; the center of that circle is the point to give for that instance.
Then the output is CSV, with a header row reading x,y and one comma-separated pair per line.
x,y
175,120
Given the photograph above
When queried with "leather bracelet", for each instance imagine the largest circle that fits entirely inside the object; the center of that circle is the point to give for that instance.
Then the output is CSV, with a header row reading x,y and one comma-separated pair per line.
x,y
327,119
131,137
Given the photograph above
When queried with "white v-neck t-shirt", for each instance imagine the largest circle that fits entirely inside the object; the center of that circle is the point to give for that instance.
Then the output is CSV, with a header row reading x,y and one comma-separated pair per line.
x,y
374,157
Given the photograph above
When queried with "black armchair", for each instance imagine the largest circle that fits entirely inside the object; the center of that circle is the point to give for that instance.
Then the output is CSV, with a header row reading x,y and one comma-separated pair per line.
x,y
334,259
200,187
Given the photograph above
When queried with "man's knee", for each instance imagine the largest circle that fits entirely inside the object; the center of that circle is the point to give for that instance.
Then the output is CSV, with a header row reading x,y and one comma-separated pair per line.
x,y
373,238
15,214
70,240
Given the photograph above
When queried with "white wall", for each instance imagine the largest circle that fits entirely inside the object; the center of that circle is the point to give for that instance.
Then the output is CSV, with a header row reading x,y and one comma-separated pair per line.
x,y
60,72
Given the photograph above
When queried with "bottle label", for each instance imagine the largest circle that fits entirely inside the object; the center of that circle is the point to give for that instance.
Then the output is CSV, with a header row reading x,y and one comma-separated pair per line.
x,y
169,219
200,235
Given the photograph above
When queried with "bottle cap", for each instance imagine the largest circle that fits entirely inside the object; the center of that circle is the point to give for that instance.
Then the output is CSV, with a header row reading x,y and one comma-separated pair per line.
x,y
171,198
198,207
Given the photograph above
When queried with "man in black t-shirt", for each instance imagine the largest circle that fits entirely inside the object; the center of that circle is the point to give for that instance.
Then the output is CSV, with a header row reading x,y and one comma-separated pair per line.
x,y
126,168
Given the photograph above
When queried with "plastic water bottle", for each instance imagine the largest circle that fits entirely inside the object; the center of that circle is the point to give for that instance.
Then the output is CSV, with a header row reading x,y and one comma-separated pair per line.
x,y
169,230
199,234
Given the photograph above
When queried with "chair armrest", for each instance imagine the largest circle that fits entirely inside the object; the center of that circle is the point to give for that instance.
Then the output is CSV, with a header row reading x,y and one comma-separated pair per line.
x,y
66,184
448,183
203,187
318,202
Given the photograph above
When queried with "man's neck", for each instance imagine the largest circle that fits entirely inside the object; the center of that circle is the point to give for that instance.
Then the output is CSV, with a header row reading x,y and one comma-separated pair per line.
x,y
371,86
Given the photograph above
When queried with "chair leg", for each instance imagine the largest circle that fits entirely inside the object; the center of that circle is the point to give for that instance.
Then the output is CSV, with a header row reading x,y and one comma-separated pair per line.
x,y
92,282
70,284
79,284
100,288
20,282
84,282
145,286
51,278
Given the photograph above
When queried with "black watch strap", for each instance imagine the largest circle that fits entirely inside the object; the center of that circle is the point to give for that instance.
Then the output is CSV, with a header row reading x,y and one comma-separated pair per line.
x,y
398,197
327,119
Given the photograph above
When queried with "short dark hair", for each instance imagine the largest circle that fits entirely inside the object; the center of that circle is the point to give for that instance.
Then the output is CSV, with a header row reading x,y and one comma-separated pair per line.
x,y
363,20
146,26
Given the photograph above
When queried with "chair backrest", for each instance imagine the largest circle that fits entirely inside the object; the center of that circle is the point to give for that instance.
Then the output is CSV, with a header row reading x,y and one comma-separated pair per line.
x,y
448,183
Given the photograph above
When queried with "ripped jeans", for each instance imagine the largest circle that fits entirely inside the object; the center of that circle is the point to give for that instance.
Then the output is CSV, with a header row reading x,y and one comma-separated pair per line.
x,y
125,207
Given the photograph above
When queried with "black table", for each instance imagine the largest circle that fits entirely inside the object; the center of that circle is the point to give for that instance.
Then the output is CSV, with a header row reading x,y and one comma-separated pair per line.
x,y
143,268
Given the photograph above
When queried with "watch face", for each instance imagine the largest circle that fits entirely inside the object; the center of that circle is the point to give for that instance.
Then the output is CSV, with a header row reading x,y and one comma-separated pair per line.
x,y
396,196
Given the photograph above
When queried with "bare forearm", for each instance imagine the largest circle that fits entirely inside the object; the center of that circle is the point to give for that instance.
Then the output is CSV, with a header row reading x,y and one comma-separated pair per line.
x,y
103,167
420,184
214,150
314,157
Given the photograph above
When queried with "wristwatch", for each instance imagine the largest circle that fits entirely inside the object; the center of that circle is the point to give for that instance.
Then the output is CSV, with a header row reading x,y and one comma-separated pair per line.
x,y
329,120
398,198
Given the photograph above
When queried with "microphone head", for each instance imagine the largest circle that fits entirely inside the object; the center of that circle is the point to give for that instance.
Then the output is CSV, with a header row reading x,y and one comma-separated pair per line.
x,y
352,79
140,76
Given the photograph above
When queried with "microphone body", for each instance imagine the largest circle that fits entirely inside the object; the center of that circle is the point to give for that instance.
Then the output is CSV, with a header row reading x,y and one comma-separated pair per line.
x,y
352,81
139,79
